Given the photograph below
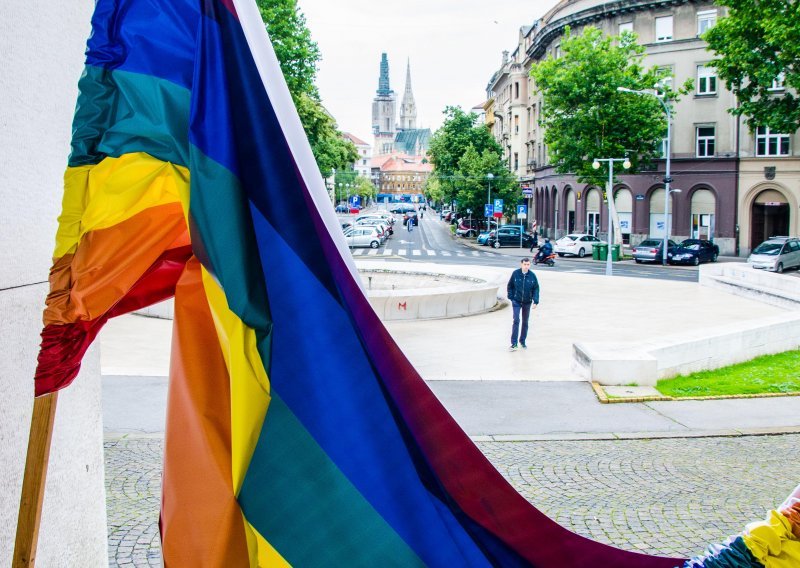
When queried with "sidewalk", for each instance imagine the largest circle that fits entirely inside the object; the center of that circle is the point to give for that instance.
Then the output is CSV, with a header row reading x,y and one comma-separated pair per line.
x,y
492,392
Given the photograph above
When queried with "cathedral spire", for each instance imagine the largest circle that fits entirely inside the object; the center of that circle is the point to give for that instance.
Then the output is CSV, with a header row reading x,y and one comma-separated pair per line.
x,y
383,80
408,108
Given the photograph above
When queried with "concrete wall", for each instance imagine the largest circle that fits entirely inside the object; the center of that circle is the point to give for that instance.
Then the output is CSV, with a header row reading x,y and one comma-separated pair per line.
x,y
41,49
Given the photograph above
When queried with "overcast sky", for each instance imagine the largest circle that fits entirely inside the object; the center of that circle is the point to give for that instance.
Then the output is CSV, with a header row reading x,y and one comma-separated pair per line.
x,y
454,47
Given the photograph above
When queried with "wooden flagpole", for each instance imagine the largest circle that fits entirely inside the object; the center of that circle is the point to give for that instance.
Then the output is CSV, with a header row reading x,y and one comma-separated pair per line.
x,y
30,504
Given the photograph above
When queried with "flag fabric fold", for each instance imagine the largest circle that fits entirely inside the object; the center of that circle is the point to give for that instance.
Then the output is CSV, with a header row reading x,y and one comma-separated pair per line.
x,y
297,431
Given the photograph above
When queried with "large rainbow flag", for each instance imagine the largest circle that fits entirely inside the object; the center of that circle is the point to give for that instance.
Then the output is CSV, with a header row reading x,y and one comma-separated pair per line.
x,y
298,433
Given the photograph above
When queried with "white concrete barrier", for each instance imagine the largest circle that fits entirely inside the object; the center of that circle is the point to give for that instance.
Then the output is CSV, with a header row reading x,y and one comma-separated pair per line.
x,y
781,290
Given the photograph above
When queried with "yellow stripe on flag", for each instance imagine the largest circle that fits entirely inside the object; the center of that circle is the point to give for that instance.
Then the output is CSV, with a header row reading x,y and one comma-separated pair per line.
x,y
116,189
249,382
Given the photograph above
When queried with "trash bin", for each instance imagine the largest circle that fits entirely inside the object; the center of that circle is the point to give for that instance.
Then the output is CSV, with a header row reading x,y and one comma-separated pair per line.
x,y
602,251
614,253
595,251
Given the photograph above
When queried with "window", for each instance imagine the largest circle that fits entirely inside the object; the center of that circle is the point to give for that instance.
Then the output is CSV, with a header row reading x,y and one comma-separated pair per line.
x,y
665,82
705,141
771,143
516,124
664,28
516,90
557,51
777,82
706,20
516,161
706,80
625,27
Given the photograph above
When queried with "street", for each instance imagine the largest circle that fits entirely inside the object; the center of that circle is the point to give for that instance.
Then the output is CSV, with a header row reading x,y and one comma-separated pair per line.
x,y
432,241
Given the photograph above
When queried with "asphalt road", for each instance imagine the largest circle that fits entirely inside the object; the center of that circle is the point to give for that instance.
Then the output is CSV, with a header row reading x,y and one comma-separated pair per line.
x,y
432,241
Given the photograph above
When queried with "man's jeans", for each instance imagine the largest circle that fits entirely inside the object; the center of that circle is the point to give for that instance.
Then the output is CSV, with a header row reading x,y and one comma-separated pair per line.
x,y
515,329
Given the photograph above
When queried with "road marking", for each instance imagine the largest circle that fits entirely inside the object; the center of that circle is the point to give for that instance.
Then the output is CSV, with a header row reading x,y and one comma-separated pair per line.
x,y
476,253
373,252
357,252
416,252
387,252
402,252
431,253
446,253
460,254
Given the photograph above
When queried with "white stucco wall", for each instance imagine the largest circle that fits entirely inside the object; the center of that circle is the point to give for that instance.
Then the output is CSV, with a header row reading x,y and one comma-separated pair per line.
x,y
41,57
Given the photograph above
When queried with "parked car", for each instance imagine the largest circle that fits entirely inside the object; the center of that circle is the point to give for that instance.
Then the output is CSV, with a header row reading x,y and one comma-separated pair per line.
x,y
472,227
386,217
649,250
509,236
444,213
776,254
578,244
376,221
342,209
360,236
693,251
383,228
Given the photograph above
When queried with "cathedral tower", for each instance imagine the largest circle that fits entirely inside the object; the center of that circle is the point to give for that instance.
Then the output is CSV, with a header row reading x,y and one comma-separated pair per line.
x,y
408,108
384,112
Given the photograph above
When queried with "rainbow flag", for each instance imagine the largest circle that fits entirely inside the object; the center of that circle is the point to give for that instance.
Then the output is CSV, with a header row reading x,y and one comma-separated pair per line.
x,y
297,431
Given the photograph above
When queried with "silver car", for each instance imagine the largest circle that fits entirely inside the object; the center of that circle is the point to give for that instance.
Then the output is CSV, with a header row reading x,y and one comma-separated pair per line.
x,y
362,236
776,254
650,250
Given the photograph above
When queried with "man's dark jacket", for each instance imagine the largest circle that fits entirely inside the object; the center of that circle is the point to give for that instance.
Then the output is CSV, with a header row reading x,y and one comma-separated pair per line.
x,y
523,288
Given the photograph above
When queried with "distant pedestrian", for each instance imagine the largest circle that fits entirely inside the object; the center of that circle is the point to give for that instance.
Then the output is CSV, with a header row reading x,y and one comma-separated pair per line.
x,y
523,291
422,213
535,241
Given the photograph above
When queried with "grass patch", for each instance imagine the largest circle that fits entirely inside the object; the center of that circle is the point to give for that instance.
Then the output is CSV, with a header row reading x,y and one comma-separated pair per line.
x,y
779,373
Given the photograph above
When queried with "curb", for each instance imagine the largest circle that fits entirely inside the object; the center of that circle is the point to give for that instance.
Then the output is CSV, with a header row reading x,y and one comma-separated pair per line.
x,y
604,398
622,436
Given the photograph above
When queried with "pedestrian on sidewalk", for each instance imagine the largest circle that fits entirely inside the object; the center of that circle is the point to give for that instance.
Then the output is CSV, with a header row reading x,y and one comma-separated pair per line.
x,y
523,291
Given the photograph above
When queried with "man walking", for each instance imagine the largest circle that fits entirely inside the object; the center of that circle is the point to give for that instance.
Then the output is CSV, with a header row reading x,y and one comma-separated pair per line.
x,y
523,291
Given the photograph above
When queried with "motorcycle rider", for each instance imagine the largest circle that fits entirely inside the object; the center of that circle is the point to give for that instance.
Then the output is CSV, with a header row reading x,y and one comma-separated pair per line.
x,y
544,251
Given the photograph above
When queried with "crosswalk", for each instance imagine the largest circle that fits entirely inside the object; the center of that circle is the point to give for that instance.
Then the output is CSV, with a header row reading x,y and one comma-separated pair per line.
x,y
419,252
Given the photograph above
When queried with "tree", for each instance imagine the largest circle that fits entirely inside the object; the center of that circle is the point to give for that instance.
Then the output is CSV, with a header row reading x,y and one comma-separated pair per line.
x,y
463,153
757,44
298,56
586,117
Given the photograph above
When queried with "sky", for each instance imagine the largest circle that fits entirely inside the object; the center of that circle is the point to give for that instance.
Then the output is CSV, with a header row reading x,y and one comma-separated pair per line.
x,y
454,47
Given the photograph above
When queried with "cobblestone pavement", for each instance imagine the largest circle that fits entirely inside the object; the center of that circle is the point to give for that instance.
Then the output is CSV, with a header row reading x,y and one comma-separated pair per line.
x,y
660,496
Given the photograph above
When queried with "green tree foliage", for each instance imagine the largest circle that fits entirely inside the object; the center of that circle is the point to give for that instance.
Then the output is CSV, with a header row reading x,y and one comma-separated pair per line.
x,y
756,42
463,153
298,55
586,117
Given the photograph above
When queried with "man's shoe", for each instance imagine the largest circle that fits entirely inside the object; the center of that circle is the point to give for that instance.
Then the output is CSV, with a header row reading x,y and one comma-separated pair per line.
x,y
513,347
523,346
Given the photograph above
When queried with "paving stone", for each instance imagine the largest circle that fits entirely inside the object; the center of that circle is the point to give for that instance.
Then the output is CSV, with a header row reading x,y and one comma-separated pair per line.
x,y
659,496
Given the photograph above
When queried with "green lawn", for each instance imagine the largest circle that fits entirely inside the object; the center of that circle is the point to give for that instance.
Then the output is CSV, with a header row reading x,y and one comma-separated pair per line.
x,y
767,374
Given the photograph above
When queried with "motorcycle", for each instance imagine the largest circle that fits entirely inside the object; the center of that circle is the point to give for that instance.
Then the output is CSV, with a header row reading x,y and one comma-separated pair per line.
x,y
549,260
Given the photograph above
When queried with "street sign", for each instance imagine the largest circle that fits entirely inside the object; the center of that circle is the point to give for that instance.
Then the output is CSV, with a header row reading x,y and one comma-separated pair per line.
x,y
527,191
355,200
498,208
487,210
522,210
639,197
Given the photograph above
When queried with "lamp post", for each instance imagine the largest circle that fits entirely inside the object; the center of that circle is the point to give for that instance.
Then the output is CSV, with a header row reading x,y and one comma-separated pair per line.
x,y
610,199
489,178
667,176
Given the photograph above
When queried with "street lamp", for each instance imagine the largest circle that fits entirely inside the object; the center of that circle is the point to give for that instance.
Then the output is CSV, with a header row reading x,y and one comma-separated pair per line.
x,y
667,177
489,178
626,163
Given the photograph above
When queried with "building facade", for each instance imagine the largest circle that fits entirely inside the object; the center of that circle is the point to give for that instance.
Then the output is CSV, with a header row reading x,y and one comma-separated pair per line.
x,y
362,164
400,177
737,186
